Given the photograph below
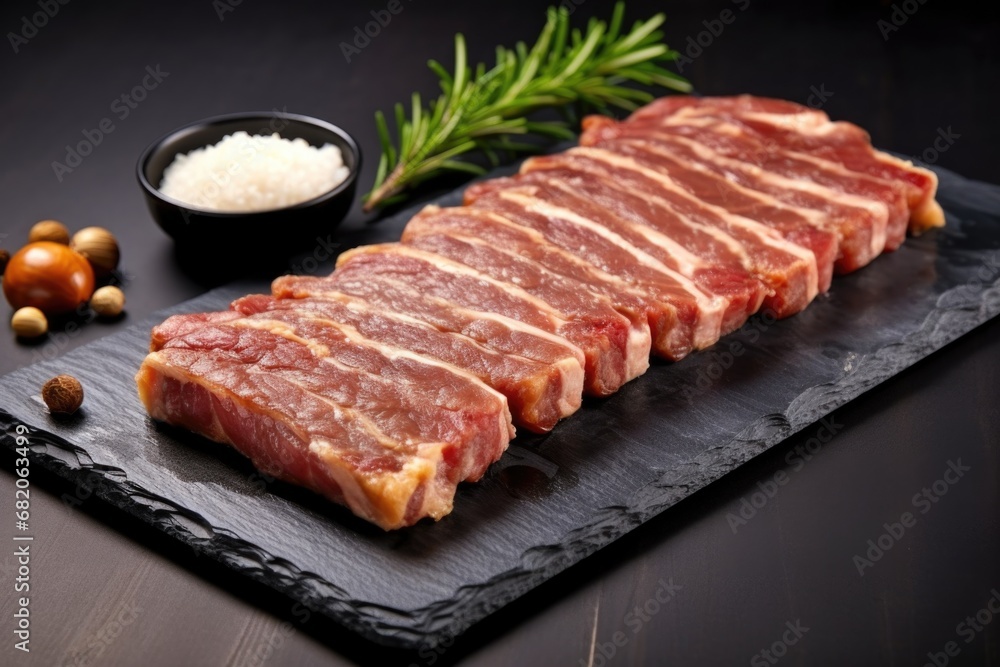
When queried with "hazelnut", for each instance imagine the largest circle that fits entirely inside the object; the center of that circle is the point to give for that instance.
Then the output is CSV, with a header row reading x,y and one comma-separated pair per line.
x,y
29,322
4,258
63,394
108,301
49,230
100,248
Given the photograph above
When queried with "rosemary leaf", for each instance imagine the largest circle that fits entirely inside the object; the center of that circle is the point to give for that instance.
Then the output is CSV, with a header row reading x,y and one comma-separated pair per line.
x,y
480,109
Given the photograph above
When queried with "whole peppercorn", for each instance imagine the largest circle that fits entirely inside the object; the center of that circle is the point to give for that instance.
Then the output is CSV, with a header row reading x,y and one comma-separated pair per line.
x,y
63,394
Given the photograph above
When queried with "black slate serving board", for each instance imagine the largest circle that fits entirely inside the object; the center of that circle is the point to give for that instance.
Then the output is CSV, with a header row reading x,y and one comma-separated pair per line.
x,y
551,500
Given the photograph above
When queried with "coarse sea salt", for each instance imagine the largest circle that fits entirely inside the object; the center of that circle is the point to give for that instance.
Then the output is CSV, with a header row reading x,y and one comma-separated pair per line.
x,y
244,173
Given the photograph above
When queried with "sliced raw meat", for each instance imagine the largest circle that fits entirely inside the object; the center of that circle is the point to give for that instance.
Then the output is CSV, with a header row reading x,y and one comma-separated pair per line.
x,y
536,392
671,309
730,140
613,356
495,332
179,325
639,202
619,247
836,227
808,130
386,384
566,295
639,190
304,413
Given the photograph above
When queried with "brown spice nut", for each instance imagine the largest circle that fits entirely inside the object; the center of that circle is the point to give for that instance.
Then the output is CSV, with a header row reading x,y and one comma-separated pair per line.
x,y
108,301
49,230
63,394
29,322
100,248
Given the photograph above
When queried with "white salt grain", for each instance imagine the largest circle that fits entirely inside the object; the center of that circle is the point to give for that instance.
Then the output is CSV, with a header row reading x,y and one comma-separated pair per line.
x,y
244,173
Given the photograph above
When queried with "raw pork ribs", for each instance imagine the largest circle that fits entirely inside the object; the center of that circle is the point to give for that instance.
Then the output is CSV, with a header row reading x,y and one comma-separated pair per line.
x,y
402,374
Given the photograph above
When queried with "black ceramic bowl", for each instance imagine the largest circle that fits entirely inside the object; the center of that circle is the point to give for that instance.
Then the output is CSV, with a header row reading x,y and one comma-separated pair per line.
x,y
277,230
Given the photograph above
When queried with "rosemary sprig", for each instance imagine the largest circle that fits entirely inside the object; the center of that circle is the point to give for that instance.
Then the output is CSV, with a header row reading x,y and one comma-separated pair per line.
x,y
486,110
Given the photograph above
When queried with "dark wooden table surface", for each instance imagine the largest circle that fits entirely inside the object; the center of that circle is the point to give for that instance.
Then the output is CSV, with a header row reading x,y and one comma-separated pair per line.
x,y
785,580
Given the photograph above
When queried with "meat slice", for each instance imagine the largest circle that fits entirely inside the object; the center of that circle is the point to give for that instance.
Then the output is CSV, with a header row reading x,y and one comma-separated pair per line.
x,y
808,130
568,296
617,187
840,229
797,214
670,308
176,326
612,354
322,413
667,106
620,247
497,333
647,194
728,139
334,361
539,394
536,392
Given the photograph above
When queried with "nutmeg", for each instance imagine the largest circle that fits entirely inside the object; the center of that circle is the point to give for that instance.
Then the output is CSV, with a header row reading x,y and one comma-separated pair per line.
x,y
100,248
29,323
108,301
63,394
49,230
